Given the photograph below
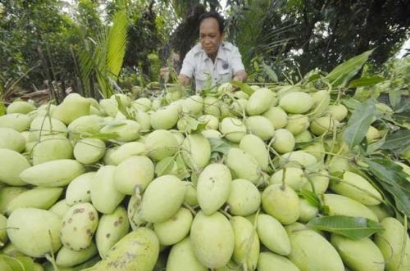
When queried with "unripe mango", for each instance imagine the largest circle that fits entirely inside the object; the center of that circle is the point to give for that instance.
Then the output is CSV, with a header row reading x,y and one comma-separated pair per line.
x,y
337,111
8,193
72,107
12,165
211,106
257,148
162,198
126,130
354,186
126,150
16,121
43,127
89,150
394,243
196,151
360,255
174,229
213,187
69,258
294,177
78,226
84,126
311,251
297,158
37,197
277,116
272,234
296,102
138,250
321,101
260,101
236,159
135,171
281,202
34,232
104,195
79,189
51,148
342,205
297,123
260,126
165,117
244,198
323,125
12,139
111,228
55,173
269,261
182,258
233,129
283,141
212,239
160,143
22,107
246,249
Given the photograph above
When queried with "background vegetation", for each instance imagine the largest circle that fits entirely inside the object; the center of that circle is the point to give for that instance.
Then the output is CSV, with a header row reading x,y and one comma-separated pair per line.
x,y
99,47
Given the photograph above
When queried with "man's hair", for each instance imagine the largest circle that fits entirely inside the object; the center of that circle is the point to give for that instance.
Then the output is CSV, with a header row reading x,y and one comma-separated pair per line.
x,y
216,16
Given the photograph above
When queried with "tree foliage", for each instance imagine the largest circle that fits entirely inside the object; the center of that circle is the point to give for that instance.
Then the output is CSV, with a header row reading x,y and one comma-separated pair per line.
x,y
320,33
34,37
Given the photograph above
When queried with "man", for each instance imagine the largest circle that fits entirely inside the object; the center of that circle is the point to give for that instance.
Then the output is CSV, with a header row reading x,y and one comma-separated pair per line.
x,y
212,61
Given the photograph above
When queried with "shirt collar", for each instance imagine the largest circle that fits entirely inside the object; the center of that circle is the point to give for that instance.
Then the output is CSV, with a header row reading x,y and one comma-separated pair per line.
x,y
221,52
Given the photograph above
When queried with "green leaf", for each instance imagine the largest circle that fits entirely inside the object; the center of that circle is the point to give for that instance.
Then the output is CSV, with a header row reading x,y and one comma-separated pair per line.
x,y
18,263
122,108
359,123
354,228
270,72
397,140
182,169
365,81
310,196
117,40
218,148
244,87
392,179
344,72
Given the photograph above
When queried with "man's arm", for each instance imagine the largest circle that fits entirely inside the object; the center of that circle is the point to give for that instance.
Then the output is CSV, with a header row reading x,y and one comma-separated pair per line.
x,y
183,79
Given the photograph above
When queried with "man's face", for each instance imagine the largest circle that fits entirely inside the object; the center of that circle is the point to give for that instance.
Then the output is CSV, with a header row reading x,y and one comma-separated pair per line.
x,y
210,36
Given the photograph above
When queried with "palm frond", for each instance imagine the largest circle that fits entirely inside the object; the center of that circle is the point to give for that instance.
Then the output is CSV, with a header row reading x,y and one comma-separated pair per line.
x,y
103,57
117,40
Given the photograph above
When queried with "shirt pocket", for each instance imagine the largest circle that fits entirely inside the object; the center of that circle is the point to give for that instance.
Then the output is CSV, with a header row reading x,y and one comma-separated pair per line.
x,y
203,79
225,76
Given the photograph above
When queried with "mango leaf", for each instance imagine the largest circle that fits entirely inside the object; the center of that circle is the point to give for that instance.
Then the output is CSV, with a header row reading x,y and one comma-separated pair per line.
x,y
351,227
392,179
366,81
271,73
188,123
244,87
219,148
123,109
310,196
344,72
359,123
397,140
19,263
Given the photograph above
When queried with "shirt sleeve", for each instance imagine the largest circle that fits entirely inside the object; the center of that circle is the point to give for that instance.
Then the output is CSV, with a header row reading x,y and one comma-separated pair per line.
x,y
188,65
236,60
